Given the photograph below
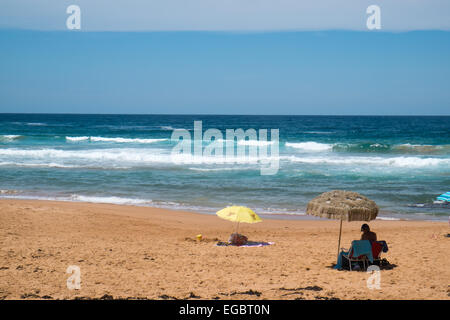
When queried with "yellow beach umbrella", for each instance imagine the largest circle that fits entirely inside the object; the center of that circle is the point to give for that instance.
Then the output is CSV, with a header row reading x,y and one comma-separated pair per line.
x,y
239,214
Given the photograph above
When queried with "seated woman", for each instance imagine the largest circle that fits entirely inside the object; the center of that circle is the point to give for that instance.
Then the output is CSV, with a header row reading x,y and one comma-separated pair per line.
x,y
367,234
359,248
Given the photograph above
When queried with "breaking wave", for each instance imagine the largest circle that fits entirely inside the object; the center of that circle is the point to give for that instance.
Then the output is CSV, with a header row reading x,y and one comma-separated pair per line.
x,y
115,140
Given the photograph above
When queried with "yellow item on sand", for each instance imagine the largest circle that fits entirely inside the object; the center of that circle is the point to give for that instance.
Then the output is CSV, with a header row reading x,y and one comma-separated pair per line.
x,y
199,237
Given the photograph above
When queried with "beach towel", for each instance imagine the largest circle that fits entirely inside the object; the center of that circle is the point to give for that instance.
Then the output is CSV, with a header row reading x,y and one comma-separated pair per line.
x,y
339,262
378,246
359,248
376,249
362,247
248,244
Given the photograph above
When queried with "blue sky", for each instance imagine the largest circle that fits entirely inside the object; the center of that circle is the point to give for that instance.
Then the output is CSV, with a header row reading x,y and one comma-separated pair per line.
x,y
225,15
254,67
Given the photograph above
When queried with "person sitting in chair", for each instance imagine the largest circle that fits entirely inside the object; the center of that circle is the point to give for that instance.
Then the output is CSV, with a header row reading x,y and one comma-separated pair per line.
x,y
367,234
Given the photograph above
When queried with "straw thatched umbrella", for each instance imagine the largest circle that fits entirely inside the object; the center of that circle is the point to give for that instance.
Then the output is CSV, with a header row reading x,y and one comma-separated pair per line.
x,y
342,205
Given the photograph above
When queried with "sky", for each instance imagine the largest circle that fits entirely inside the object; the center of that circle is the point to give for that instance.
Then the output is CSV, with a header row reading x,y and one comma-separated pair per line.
x,y
225,15
252,57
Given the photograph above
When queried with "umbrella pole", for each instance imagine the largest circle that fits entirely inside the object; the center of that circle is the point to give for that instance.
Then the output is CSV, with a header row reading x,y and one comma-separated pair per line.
x,y
339,243
237,227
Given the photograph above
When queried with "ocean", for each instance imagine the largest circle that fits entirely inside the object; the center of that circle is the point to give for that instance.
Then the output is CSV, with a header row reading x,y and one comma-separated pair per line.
x,y
402,163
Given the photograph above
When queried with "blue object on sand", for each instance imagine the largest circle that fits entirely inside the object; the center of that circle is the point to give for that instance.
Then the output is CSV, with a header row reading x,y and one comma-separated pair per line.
x,y
444,197
359,247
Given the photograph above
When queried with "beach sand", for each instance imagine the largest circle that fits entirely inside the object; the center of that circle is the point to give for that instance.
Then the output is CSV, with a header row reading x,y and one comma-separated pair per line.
x,y
141,252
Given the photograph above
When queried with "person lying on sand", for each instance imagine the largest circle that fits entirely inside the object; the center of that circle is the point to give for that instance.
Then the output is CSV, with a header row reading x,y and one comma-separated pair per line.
x,y
237,239
367,234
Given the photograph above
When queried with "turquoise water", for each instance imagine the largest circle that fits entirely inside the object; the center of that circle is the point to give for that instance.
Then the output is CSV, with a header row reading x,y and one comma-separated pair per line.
x,y
396,161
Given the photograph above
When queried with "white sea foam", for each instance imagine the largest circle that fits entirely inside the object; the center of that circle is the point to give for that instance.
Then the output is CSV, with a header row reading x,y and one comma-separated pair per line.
x,y
62,165
126,140
9,137
37,165
116,157
77,138
388,218
126,157
115,140
257,143
170,128
8,191
310,146
409,145
12,194
280,212
112,200
407,162
220,169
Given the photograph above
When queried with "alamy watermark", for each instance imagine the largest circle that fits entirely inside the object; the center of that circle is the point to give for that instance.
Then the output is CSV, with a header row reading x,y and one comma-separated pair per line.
x,y
374,280
210,147
74,281
73,21
374,20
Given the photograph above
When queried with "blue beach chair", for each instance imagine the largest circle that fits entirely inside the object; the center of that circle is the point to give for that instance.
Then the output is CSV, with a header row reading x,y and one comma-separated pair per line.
x,y
359,251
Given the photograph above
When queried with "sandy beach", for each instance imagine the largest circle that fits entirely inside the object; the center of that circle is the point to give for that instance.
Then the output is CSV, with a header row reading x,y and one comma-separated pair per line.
x,y
142,252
